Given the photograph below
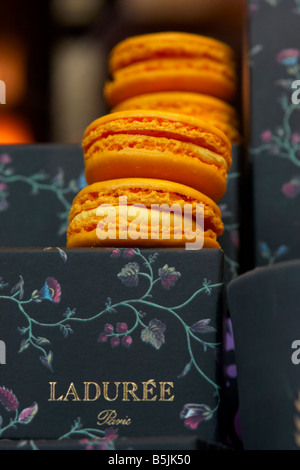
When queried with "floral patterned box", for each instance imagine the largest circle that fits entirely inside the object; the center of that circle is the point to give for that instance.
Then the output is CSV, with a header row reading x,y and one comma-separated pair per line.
x,y
275,128
37,186
110,344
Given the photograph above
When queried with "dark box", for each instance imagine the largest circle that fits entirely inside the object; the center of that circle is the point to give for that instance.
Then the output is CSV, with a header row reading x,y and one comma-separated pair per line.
x,y
37,186
274,124
136,333
264,306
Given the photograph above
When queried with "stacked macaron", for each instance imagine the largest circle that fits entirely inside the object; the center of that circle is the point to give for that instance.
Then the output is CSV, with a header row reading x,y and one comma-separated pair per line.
x,y
166,142
175,72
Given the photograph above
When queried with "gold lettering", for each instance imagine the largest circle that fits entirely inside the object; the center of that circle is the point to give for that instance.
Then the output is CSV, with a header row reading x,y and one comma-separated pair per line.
x,y
52,392
165,391
111,391
105,391
106,416
151,383
72,391
87,391
109,417
126,390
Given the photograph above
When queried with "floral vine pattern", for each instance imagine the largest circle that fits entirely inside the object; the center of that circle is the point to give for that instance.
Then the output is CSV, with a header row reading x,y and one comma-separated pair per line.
x,y
284,141
90,439
232,228
11,404
40,182
152,332
255,4
269,256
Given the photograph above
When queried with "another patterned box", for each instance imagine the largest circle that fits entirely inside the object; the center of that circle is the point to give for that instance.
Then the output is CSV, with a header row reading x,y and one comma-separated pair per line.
x,y
275,126
37,186
110,343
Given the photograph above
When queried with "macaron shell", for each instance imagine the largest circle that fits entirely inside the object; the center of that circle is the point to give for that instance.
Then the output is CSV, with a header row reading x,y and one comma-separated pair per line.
x,y
168,44
201,76
146,192
90,239
162,124
158,191
155,144
217,112
182,169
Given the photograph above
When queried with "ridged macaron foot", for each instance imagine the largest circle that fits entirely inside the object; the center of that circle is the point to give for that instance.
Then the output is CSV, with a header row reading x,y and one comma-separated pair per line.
x,y
171,61
156,144
213,110
110,204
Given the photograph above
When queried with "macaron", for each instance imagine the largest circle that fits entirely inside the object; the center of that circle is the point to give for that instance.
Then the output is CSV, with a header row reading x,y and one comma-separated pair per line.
x,y
128,212
171,61
213,110
156,144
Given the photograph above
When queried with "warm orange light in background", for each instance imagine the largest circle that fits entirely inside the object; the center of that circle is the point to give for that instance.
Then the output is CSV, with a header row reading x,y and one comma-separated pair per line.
x,y
14,130
13,69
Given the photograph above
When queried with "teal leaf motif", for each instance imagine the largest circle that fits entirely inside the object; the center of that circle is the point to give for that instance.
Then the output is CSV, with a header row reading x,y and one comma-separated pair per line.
x,y
42,341
24,345
66,330
47,360
202,326
185,370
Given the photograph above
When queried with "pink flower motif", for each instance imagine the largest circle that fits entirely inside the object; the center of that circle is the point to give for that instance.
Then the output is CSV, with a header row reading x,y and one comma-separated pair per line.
x,y
128,253
8,399
110,434
126,341
291,189
27,415
50,291
102,338
5,159
288,57
194,414
121,327
266,136
116,253
235,238
168,276
114,342
295,138
3,186
108,328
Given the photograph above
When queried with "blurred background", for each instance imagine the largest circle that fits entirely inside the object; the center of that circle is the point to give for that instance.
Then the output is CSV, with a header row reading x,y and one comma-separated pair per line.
x,y
54,56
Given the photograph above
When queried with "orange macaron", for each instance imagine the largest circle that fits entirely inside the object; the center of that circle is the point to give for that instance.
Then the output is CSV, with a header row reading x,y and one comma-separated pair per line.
x,y
171,61
213,110
129,212
157,144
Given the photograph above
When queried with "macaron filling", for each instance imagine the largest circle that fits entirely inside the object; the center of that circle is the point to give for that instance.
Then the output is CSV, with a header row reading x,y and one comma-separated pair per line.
x,y
153,125
126,143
